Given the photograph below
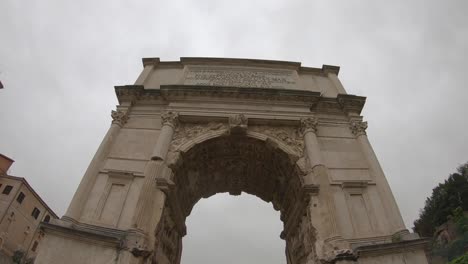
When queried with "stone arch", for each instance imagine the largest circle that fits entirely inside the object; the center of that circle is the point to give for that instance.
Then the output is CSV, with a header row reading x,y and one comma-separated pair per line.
x,y
218,161
183,143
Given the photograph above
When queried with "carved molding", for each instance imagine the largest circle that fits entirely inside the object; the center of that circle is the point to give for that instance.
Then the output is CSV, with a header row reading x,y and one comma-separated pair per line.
x,y
290,136
189,131
358,128
309,124
301,244
168,92
185,132
354,187
238,123
170,118
168,243
351,104
119,117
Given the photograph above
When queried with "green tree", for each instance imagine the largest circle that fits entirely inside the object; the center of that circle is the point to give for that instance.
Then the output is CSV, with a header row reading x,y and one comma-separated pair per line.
x,y
445,199
17,256
460,260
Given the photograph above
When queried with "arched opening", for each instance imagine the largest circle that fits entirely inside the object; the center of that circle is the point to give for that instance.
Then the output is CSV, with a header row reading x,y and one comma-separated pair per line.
x,y
47,219
228,229
234,164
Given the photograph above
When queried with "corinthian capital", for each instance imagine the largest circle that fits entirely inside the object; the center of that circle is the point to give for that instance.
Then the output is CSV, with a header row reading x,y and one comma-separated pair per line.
x,y
309,124
119,117
170,118
358,128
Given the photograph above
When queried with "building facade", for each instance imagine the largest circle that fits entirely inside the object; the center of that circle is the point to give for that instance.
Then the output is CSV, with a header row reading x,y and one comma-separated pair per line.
x,y
21,212
189,129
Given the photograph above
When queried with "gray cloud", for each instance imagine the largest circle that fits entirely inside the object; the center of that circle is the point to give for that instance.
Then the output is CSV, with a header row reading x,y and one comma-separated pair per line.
x,y
59,61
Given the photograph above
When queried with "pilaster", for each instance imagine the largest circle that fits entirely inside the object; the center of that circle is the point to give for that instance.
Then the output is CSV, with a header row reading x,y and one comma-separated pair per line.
x,y
119,118
358,128
151,200
325,215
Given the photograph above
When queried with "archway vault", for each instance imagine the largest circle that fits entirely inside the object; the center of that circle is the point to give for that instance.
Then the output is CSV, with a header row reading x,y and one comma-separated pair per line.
x,y
219,162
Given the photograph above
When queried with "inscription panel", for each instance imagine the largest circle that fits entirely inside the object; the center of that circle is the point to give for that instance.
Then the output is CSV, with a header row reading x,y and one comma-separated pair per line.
x,y
240,77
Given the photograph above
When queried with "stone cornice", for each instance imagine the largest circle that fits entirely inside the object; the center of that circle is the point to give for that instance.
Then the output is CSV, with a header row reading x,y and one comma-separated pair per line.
x,y
347,103
241,62
351,103
395,247
150,61
167,92
94,234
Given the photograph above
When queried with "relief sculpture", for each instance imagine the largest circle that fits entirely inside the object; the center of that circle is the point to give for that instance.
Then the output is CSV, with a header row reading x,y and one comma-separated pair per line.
x,y
285,134
187,131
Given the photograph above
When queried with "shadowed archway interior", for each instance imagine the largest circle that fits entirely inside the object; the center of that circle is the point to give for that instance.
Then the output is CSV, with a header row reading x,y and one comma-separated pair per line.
x,y
234,164
248,234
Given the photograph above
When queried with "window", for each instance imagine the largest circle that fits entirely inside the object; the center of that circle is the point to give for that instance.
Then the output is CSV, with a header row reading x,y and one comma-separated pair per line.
x,y
35,213
47,219
7,189
20,197
34,247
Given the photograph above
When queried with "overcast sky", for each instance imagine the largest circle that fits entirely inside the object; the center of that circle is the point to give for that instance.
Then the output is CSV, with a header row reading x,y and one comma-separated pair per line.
x,y
59,61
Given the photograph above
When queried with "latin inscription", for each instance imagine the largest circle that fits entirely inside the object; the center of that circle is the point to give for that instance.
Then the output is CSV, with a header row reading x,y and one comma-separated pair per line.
x,y
240,77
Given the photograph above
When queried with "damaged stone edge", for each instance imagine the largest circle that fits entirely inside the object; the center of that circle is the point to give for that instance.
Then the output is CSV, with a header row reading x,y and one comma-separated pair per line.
x,y
97,235
379,250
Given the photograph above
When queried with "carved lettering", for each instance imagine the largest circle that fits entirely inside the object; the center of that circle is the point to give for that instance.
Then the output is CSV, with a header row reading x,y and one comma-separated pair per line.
x,y
240,77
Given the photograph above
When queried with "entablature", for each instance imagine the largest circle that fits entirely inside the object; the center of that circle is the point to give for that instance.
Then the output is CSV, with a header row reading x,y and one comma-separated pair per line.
x,y
350,104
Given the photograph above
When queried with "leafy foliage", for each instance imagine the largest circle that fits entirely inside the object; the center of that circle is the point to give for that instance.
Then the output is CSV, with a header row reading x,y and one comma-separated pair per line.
x,y
460,260
17,256
452,250
445,199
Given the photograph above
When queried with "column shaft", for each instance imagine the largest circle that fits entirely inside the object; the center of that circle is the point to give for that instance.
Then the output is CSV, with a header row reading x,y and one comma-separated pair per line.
x,y
320,174
312,149
154,169
164,142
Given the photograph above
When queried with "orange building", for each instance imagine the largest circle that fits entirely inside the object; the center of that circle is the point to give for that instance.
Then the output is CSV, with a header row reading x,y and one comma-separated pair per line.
x,y
21,212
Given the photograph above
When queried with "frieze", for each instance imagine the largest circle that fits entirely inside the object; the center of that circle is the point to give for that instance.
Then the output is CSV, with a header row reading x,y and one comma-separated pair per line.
x,y
240,77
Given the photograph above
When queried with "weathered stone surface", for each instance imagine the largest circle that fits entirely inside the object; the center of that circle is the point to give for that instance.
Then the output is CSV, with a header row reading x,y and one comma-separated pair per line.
x,y
240,77
190,129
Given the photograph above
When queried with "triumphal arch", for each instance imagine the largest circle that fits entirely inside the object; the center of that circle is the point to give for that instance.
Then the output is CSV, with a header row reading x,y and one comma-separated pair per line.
x,y
189,129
